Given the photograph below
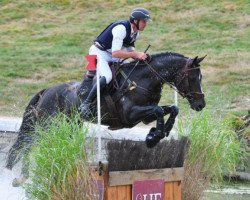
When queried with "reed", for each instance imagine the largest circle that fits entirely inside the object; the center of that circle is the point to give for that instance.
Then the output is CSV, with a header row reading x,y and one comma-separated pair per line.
x,y
214,152
59,168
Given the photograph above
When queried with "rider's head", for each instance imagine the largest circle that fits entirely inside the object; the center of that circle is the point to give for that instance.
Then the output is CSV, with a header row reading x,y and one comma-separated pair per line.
x,y
139,17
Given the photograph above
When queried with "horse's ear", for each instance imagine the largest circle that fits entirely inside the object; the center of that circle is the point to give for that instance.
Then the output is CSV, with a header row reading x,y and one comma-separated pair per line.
x,y
194,61
200,59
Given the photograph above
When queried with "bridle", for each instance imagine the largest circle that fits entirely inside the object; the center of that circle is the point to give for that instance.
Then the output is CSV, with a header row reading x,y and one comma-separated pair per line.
x,y
185,71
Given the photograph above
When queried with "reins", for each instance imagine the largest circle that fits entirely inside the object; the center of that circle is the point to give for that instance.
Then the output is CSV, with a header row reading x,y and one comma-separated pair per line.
x,y
172,85
163,79
122,86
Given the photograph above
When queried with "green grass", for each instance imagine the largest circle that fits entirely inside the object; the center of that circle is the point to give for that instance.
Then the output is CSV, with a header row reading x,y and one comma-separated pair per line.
x,y
42,43
214,152
59,167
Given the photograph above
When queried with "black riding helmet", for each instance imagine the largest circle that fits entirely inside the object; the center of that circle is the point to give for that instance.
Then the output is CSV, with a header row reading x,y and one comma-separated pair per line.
x,y
139,14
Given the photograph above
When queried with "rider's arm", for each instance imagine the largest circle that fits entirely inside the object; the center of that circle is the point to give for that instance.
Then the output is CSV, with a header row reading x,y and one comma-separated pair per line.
x,y
131,54
119,33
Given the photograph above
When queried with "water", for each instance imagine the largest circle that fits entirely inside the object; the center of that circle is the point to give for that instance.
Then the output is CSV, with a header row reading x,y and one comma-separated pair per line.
x,y
228,193
7,192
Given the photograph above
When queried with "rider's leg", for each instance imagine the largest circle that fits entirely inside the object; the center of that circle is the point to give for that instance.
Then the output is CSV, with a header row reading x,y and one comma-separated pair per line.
x,y
106,77
85,106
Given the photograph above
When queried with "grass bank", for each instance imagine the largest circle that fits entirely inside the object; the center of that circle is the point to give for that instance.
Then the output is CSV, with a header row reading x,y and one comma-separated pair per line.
x,y
42,43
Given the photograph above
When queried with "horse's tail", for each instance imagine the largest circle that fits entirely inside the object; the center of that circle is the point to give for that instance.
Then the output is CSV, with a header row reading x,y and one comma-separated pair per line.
x,y
24,138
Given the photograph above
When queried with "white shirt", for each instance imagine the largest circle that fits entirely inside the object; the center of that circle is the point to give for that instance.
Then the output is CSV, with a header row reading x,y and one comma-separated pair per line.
x,y
119,33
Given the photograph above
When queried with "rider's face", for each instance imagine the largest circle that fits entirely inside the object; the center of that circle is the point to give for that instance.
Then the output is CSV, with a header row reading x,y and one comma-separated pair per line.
x,y
142,24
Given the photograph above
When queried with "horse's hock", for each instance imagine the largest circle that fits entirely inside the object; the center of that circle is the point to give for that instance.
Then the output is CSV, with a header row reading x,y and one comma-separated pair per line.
x,y
135,172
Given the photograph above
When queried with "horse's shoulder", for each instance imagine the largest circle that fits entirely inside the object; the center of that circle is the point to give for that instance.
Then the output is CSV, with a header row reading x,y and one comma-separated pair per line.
x,y
63,87
71,84
75,85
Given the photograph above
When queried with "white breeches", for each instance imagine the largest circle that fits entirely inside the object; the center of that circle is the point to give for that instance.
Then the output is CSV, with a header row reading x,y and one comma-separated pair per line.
x,y
103,58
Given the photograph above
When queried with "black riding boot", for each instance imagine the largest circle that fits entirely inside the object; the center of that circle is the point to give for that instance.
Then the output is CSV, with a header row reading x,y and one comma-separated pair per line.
x,y
85,106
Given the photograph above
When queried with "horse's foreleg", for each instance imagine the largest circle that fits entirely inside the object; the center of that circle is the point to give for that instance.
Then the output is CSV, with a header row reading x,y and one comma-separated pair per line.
x,y
153,117
137,113
173,110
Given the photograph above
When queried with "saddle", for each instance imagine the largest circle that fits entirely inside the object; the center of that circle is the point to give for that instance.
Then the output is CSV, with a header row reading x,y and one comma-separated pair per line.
x,y
117,74
110,94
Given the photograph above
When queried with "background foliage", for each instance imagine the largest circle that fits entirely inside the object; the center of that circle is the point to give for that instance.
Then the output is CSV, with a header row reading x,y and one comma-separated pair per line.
x,y
42,43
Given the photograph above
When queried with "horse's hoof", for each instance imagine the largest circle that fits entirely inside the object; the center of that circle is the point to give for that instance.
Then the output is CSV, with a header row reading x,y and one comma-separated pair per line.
x,y
18,181
167,133
151,139
151,143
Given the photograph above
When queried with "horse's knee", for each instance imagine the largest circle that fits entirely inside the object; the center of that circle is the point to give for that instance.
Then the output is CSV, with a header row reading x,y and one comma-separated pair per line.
x,y
174,110
159,111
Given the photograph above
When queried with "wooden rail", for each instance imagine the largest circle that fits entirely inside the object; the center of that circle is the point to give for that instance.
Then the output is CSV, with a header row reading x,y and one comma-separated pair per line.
x,y
119,185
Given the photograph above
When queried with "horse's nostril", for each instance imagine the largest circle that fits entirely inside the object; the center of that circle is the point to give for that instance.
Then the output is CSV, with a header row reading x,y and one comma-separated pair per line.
x,y
200,107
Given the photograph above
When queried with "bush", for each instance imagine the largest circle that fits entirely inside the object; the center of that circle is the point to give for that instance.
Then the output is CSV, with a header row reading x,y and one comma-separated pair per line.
x,y
60,168
214,152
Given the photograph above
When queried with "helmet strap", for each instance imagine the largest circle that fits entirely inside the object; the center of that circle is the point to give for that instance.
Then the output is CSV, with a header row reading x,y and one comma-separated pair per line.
x,y
137,25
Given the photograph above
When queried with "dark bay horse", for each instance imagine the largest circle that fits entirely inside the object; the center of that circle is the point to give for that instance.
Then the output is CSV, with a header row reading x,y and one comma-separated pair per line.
x,y
136,102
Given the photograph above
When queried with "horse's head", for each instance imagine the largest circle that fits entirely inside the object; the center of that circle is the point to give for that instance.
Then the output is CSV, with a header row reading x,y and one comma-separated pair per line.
x,y
188,83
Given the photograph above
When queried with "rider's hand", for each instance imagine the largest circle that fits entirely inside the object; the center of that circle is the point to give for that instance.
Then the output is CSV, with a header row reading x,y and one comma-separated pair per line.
x,y
140,55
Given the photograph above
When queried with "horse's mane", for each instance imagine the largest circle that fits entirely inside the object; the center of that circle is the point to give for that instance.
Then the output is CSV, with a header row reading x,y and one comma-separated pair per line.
x,y
159,56
167,54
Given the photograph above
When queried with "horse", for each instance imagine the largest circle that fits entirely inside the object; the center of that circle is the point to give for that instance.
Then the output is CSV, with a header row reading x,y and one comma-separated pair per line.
x,y
133,99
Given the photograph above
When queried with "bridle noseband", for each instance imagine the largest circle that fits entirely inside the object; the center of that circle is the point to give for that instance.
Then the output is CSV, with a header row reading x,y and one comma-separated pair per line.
x,y
185,70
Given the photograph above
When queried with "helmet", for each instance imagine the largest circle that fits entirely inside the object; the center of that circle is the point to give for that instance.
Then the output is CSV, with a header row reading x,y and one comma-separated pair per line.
x,y
139,13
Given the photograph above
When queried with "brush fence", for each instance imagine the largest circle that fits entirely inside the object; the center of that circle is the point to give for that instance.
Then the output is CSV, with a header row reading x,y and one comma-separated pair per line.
x,y
150,184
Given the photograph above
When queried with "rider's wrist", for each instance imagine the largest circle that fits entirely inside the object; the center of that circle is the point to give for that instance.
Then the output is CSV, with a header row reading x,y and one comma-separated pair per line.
x,y
133,54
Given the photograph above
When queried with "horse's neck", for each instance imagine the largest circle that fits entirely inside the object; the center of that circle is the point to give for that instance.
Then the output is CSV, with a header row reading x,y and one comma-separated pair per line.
x,y
167,67
145,78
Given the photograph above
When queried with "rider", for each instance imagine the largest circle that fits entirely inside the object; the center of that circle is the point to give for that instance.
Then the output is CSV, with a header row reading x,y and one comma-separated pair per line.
x,y
114,43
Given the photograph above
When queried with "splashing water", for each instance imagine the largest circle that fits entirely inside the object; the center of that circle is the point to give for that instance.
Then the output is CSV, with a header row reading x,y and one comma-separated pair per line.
x,y
7,191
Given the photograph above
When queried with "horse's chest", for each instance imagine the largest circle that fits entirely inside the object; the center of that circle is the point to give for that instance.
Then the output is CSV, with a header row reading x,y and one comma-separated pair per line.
x,y
142,99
